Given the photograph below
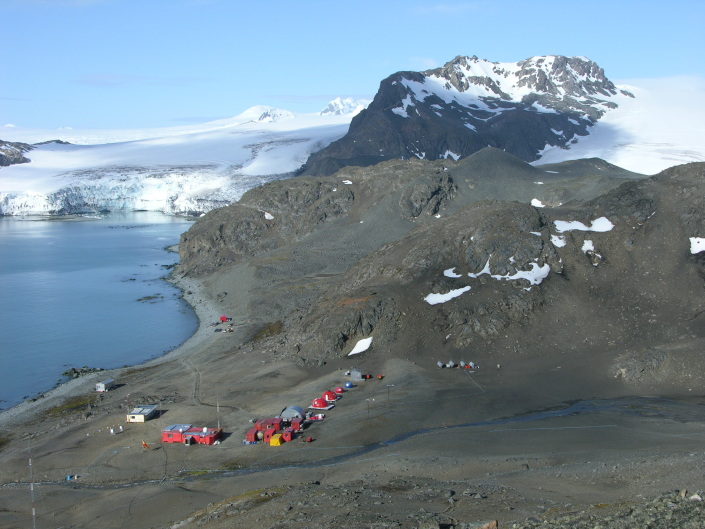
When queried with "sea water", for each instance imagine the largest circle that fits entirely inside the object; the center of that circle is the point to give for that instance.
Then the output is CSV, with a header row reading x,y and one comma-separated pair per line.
x,y
88,292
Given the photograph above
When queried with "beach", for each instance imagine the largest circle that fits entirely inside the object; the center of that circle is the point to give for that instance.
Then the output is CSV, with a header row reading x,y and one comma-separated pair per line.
x,y
206,312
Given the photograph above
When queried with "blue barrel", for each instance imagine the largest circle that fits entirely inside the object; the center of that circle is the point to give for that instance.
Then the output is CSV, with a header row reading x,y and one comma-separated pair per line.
x,y
348,385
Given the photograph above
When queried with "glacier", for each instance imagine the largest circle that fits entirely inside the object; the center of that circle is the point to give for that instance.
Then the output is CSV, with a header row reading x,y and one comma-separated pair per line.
x,y
181,170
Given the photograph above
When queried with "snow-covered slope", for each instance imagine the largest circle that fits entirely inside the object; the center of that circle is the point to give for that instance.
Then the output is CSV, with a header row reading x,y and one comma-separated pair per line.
x,y
528,109
348,105
179,170
661,126
548,84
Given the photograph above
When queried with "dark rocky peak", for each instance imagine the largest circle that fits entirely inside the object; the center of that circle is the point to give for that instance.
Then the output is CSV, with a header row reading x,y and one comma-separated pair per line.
x,y
49,142
574,76
13,152
469,104
462,72
553,74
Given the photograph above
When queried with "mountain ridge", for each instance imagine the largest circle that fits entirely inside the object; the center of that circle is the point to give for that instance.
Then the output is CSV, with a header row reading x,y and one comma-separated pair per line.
x,y
193,169
471,103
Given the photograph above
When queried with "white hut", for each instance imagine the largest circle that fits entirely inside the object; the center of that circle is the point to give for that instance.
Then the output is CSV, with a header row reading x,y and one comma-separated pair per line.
x,y
105,385
142,413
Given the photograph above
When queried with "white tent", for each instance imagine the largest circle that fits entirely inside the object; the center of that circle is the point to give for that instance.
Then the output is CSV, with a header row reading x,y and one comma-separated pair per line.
x,y
293,412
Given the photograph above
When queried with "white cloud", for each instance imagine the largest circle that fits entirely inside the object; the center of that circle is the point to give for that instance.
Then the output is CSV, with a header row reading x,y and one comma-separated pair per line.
x,y
109,79
118,79
65,3
424,63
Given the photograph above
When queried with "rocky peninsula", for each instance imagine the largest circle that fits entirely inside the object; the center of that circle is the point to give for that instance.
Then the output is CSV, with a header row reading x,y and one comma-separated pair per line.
x,y
586,408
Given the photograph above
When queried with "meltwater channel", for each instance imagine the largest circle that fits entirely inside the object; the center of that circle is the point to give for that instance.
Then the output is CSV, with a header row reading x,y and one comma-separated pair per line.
x,y
86,292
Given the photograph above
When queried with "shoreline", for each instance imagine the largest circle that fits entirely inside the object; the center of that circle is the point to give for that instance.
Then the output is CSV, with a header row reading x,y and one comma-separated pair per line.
x,y
192,292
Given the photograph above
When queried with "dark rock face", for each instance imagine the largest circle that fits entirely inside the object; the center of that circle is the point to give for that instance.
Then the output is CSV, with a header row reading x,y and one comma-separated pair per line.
x,y
13,152
336,259
470,104
262,220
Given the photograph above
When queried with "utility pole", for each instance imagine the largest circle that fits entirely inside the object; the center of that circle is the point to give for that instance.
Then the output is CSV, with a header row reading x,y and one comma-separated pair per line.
x,y
217,411
31,487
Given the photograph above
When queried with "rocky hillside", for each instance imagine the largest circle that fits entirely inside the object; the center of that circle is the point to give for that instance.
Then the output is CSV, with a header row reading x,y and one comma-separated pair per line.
x,y
360,501
581,279
13,152
426,255
469,104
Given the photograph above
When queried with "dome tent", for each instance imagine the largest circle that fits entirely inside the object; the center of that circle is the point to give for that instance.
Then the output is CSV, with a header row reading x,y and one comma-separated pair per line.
x,y
319,404
293,412
329,396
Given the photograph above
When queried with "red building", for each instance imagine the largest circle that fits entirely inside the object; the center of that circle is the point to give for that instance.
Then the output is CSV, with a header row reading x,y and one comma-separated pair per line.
x,y
251,435
187,434
266,424
296,424
288,435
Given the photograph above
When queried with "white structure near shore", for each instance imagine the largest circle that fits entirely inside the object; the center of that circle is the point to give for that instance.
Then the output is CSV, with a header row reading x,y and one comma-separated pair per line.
x,y
105,385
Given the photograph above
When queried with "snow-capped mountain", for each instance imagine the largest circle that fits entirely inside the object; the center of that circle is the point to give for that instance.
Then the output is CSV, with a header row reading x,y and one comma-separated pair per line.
x,y
348,105
554,108
472,103
182,170
573,84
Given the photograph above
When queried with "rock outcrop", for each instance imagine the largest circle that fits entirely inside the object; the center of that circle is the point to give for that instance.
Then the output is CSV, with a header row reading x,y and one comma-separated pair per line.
x,y
421,255
13,152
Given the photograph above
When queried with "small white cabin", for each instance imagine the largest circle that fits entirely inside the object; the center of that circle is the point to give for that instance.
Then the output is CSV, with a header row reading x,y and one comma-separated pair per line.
x,y
142,413
105,385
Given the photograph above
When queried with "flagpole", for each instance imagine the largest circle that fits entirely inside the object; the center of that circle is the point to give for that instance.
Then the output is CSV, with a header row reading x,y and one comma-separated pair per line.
x,y
31,486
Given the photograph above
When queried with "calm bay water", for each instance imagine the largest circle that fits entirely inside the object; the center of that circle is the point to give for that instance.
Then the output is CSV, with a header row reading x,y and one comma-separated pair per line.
x,y
85,293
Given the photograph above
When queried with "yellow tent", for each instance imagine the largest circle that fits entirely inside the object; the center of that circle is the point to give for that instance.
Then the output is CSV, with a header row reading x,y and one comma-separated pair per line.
x,y
276,440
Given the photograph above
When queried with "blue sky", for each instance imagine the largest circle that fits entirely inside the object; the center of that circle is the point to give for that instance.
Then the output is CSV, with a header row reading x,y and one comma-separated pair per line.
x,y
148,63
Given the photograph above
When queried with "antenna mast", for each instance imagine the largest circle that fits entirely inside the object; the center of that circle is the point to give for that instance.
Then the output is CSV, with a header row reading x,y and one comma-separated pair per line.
x,y
31,487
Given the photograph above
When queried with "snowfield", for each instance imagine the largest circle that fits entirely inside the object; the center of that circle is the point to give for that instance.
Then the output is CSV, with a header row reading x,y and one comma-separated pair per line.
x,y
661,126
184,170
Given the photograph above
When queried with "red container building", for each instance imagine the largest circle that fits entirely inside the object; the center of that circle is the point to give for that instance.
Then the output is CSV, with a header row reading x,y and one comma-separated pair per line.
x,y
187,434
